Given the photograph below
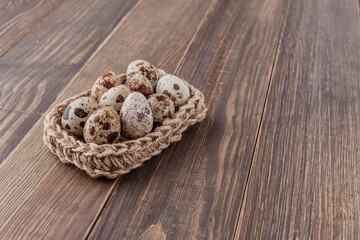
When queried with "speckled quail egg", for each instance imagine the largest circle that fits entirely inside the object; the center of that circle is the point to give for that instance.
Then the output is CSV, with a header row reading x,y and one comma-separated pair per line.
x,y
121,79
76,113
161,106
175,88
139,83
103,126
136,116
146,69
115,97
103,83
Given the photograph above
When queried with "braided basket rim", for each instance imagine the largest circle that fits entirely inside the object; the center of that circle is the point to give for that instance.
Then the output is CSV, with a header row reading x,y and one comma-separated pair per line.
x,y
113,160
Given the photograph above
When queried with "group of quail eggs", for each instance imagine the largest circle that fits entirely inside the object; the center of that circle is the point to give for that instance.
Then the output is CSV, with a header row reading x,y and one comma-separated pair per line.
x,y
125,107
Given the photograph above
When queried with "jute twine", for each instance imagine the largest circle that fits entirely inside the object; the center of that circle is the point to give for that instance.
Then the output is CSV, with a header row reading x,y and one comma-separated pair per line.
x,y
113,160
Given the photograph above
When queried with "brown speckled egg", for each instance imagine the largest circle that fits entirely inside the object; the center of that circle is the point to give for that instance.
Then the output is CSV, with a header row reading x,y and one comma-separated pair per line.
x,y
76,113
136,116
146,69
103,84
161,106
139,83
175,88
115,97
103,126
121,78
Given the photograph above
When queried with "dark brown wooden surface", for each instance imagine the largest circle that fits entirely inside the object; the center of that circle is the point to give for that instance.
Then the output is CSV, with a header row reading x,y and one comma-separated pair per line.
x,y
305,181
194,188
18,18
276,157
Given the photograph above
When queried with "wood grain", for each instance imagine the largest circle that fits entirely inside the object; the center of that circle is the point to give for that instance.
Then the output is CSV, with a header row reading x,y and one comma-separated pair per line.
x,y
193,190
46,194
18,18
276,158
12,125
305,181
41,64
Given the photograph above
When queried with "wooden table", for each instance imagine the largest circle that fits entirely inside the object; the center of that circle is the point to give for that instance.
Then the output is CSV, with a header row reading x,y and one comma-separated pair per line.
x,y
277,157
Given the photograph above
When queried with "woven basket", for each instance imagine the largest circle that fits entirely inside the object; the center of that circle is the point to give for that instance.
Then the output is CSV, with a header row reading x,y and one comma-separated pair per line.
x,y
113,160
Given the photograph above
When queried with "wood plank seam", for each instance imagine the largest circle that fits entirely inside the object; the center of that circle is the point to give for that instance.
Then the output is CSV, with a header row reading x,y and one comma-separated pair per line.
x,y
101,209
118,180
78,73
103,44
283,22
203,21
33,27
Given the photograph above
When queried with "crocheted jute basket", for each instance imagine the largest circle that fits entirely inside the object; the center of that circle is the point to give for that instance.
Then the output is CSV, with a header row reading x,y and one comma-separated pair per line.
x,y
113,160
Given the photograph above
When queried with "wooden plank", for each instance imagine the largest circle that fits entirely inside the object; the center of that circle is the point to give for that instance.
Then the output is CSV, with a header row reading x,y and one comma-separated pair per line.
x,y
13,124
43,62
305,181
193,190
42,178
18,18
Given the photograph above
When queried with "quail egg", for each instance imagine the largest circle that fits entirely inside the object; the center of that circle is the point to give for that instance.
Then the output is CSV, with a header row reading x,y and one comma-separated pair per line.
x,y
146,69
103,84
76,113
161,106
138,83
175,88
103,126
115,97
136,116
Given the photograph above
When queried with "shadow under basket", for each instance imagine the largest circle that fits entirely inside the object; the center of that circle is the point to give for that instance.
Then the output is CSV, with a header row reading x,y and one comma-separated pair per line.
x,y
113,160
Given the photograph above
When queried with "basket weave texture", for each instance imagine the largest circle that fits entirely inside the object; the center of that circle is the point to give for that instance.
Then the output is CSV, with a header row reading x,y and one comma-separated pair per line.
x,y
113,160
